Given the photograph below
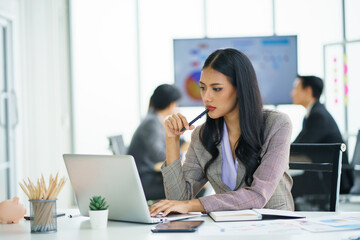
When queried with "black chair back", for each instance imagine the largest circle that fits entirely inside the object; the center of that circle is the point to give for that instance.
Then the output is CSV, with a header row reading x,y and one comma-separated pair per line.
x,y
316,170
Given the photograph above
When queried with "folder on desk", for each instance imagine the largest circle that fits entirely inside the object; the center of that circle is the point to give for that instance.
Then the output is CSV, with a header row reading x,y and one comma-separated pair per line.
x,y
252,214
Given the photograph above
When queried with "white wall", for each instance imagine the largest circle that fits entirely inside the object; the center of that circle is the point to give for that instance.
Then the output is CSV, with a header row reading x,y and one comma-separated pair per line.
x,y
42,84
105,85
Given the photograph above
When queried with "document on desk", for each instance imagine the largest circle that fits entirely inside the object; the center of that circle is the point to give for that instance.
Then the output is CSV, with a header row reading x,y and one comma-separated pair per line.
x,y
253,228
337,222
334,222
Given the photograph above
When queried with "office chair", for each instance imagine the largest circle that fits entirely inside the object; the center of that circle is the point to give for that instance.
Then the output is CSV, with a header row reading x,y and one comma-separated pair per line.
x,y
117,145
316,177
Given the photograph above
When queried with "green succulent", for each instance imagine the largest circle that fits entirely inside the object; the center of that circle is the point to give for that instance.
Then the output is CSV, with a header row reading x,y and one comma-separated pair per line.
x,y
98,203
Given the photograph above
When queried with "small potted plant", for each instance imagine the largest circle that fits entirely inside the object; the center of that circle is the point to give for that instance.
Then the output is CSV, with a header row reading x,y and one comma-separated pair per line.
x,y
98,212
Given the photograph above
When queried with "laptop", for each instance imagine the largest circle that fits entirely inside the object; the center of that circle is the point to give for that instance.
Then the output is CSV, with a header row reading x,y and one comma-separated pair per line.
x,y
116,178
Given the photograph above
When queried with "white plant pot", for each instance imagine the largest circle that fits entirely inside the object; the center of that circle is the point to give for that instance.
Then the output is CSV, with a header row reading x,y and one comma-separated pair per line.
x,y
98,218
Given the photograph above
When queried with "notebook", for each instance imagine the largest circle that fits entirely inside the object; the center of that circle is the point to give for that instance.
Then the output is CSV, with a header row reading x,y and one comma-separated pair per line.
x,y
116,178
252,214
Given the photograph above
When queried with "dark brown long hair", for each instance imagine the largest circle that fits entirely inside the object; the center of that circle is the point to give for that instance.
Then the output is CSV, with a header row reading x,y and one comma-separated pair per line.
x,y
236,65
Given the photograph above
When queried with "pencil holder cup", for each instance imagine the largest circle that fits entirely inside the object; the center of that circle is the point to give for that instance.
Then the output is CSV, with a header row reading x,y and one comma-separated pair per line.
x,y
43,216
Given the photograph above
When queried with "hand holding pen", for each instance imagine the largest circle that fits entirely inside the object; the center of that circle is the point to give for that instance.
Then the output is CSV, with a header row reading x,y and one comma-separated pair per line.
x,y
176,124
195,119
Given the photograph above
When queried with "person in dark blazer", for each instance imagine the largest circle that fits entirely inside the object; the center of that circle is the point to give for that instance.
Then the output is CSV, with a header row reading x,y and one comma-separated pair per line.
x,y
318,125
148,144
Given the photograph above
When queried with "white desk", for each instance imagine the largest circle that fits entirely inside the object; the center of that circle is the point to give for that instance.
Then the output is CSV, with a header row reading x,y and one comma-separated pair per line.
x,y
79,228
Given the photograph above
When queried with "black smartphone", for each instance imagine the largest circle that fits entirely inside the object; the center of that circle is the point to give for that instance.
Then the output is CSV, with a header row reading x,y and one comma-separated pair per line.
x,y
177,226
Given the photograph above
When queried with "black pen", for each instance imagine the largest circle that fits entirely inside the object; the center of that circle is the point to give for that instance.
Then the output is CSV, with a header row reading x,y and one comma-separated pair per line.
x,y
195,119
58,215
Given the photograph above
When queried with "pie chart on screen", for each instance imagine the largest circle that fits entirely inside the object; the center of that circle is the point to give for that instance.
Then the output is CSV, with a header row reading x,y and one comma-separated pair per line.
x,y
192,85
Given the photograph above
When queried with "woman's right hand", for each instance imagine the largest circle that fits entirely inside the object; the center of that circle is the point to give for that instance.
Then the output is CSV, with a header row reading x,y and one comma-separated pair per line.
x,y
174,123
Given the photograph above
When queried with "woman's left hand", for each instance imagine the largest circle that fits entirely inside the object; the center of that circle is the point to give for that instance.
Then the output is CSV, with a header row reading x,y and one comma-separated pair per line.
x,y
167,206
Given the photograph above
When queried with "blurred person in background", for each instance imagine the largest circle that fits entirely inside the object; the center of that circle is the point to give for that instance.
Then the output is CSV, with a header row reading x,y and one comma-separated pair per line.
x,y
148,144
318,124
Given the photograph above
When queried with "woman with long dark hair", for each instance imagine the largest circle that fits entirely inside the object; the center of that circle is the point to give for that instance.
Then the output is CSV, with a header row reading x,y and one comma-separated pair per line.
x,y
241,149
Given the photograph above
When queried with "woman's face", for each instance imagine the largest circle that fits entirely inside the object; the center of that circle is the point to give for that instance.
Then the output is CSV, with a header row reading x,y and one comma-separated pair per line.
x,y
218,94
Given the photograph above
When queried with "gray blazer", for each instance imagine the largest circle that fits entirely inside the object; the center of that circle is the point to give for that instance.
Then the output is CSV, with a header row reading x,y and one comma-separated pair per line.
x,y
148,144
148,147
271,187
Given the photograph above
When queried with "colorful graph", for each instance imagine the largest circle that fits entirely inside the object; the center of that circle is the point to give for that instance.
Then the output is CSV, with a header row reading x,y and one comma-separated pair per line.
x,y
192,85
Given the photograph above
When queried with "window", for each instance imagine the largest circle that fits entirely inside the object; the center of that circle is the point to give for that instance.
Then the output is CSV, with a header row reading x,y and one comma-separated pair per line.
x,y
7,116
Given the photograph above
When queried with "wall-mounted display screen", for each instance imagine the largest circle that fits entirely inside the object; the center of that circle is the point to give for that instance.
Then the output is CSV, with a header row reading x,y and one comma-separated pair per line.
x,y
274,59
